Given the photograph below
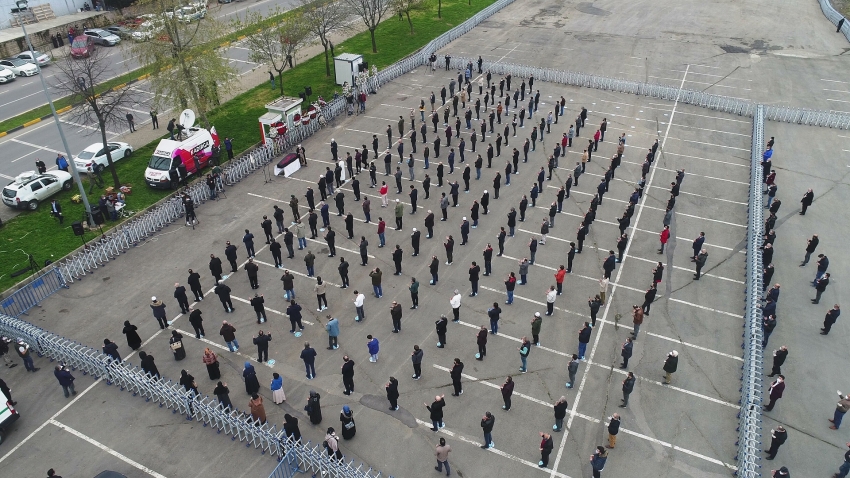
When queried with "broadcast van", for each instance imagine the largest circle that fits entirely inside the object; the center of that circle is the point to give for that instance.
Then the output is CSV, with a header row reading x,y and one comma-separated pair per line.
x,y
174,160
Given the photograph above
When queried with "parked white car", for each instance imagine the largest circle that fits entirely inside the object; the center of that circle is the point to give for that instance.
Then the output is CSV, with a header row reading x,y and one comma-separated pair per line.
x,y
30,189
6,75
19,67
192,12
147,30
41,58
93,158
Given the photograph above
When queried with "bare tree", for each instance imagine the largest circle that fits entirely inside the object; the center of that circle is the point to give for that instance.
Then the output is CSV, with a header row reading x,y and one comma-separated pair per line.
x,y
275,42
188,64
323,18
371,12
406,7
79,79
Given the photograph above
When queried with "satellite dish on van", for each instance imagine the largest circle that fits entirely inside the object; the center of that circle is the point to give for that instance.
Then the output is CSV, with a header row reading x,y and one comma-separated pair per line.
x,y
187,118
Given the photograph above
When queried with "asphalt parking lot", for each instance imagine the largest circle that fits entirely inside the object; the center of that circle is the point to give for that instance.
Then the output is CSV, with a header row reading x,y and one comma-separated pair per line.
x,y
699,319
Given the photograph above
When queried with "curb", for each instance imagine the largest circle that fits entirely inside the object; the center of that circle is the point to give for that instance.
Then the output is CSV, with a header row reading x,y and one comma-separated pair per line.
x,y
68,108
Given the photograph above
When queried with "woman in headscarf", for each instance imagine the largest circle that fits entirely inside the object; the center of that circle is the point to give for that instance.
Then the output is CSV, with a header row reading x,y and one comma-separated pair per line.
x,y
211,362
252,385
332,446
188,382
176,343
133,339
290,427
148,365
348,427
314,408
223,394
276,386
258,411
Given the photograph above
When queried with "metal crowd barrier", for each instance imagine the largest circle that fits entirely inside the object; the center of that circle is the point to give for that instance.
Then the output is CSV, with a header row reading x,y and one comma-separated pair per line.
x,y
293,456
752,372
834,17
33,293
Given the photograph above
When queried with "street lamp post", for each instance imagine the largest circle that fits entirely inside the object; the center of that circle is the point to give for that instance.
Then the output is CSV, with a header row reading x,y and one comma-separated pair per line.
x,y
22,5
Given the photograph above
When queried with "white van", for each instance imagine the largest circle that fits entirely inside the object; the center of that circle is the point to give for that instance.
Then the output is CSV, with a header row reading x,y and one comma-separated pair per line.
x,y
193,153
8,415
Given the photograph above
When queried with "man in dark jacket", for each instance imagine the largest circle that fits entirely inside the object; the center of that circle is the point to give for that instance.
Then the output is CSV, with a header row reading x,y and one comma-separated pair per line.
x,y
215,267
223,293
807,201
348,375
158,308
194,281
609,264
626,353
583,339
253,270
261,340
628,387
111,348
670,366
66,380
487,422
779,356
457,373
197,323
257,303
830,319
230,254
777,437
613,430
293,311
182,299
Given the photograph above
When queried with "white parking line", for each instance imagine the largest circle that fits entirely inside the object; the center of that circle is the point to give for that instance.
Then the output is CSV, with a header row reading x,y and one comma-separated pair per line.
x,y
493,450
105,448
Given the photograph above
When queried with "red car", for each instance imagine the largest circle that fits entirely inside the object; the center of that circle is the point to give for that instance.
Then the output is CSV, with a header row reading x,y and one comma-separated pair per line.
x,y
82,46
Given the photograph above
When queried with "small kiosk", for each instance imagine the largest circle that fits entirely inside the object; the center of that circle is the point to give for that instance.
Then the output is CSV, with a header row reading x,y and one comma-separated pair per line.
x,y
347,66
282,115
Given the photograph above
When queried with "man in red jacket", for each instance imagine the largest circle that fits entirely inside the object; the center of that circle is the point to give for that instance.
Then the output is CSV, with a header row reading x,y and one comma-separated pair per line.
x,y
665,236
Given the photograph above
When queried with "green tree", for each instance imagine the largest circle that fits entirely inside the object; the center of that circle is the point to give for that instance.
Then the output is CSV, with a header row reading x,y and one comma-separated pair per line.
x,y
189,68
79,79
405,7
371,12
323,18
275,42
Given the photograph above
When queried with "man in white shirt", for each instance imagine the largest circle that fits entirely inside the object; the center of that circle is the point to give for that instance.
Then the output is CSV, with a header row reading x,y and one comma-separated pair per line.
x,y
550,300
455,302
358,305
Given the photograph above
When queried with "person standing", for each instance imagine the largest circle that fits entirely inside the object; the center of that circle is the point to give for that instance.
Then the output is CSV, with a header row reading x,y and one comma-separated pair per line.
x,y
392,393
700,262
777,438
820,287
487,422
376,282
457,373
131,122
776,389
546,446
524,349
560,408
628,387
648,297
583,339
261,340
347,375
481,340
158,308
670,366
228,333
416,359
66,380
811,245
779,356
308,355
626,352
572,369
133,339
455,303
332,327
845,467
637,320
507,389
197,323
664,237
536,324
442,453
807,201
594,303
436,412
613,428
441,326
374,348
597,461
830,319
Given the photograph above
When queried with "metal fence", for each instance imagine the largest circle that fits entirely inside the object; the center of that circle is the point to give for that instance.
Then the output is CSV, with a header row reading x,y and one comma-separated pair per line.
x,y
294,456
31,294
834,17
749,417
